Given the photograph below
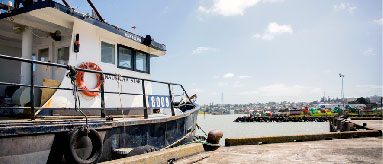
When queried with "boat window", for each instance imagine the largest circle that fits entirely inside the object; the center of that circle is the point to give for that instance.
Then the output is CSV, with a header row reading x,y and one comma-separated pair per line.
x,y
141,62
125,57
63,55
43,54
107,53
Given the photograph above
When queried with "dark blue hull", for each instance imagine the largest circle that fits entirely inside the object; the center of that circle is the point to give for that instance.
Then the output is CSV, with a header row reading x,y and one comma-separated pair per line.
x,y
24,143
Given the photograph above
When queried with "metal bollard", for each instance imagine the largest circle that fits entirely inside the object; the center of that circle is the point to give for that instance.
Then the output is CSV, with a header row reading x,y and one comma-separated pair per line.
x,y
345,126
213,137
338,124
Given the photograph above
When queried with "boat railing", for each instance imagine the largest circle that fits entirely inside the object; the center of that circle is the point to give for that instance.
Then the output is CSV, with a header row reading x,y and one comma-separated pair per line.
x,y
35,110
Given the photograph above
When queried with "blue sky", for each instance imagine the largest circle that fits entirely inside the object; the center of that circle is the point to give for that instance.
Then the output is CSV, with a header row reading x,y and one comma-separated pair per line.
x,y
259,50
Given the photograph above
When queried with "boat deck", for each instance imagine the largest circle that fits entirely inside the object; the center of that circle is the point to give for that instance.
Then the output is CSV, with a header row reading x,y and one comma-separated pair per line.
x,y
13,126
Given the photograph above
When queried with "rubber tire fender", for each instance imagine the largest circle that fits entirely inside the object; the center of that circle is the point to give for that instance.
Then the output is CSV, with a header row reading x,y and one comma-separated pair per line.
x,y
142,150
97,146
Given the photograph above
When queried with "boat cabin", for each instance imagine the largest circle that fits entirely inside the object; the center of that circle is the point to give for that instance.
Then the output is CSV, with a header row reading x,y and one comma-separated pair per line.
x,y
50,32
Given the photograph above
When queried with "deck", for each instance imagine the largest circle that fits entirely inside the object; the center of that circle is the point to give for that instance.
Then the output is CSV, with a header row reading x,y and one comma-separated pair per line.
x,y
13,127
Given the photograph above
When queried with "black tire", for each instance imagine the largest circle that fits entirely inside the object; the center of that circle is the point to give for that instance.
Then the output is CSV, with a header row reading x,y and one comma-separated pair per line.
x,y
142,150
70,152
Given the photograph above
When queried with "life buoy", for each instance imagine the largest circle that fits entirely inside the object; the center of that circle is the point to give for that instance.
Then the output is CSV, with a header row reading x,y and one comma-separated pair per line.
x,y
80,79
70,153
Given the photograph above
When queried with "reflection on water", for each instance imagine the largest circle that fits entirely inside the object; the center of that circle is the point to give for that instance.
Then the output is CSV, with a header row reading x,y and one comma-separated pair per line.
x,y
246,129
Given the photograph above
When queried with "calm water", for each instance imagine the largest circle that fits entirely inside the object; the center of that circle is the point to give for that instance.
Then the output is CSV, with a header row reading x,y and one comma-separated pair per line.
x,y
246,129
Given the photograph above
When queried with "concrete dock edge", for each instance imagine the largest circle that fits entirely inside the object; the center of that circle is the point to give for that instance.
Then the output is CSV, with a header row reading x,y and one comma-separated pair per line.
x,y
300,138
163,156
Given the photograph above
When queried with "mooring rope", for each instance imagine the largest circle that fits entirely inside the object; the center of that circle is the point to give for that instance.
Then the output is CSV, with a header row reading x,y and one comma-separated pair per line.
x,y
118,76
203,142
72,75
199,127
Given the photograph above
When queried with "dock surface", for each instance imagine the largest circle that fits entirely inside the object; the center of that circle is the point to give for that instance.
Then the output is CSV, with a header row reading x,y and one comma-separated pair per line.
x,y
356,150
372,124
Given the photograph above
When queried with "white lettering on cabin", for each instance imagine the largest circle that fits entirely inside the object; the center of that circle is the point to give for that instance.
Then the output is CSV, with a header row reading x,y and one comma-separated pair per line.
x,y
122,79
133,37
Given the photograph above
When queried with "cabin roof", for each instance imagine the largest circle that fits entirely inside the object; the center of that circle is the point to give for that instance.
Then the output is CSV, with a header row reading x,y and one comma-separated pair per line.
x,y
84,17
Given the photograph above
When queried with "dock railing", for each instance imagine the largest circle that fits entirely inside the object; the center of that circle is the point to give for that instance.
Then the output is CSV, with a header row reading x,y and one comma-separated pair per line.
x,y
32,86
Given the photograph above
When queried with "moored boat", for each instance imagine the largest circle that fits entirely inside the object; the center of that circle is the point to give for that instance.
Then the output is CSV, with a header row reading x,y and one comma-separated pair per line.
x,y
76,89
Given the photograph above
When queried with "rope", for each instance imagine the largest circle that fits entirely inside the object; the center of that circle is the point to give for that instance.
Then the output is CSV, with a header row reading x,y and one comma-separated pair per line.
x,y
187,135
118,76
203,142
72,75
200,129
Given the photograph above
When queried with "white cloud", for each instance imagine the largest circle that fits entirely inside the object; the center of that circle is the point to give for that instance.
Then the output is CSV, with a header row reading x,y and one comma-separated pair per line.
x,y
369,86
274,29
222,84
379,21
228,75
228,7
273,1
345,6
277,90
244,77
231,7
165,10
200,50
364,90
368,52
283,92
248,93
197,90
213,93
237,84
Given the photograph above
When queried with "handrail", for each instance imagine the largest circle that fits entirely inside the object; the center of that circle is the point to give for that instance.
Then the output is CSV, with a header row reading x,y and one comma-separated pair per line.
x,y
32,86
79,69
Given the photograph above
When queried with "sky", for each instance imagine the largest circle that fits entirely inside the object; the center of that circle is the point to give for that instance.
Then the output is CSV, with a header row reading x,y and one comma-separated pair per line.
x,y
259,50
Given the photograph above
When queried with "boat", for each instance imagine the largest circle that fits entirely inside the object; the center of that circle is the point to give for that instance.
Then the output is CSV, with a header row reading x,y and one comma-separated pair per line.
x,y
76,89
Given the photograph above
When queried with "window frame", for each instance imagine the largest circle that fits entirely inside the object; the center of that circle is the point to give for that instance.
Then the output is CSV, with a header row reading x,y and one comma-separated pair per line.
x,y
147,62
57,53
114,54
38,57
131,59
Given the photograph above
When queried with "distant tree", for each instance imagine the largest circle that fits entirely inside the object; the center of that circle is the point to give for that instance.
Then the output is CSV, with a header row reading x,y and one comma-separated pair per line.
x,y
361,100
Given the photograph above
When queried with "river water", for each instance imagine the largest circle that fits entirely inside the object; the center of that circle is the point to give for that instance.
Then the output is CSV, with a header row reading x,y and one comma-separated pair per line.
x,y
248,129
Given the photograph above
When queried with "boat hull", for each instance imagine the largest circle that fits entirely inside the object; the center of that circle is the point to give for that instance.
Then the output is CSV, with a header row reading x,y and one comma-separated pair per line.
x,y
49,147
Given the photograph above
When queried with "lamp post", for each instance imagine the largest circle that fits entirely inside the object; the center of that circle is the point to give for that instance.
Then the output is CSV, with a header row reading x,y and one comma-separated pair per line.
x,y
342,92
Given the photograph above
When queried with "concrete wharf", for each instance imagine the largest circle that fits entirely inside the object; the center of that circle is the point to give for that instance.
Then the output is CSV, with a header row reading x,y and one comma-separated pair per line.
x,y
354,150
329,150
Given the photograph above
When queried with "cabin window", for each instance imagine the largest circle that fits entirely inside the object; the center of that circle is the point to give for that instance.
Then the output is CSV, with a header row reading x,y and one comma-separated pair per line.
x,y
43,54
63,55
141,62
125,56
107,53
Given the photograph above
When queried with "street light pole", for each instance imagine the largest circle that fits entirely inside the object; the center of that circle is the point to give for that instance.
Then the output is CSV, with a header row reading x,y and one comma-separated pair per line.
x,y
342,92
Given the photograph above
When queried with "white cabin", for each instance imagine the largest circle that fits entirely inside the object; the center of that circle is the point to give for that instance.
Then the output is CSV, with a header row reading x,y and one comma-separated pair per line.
x,y
33,34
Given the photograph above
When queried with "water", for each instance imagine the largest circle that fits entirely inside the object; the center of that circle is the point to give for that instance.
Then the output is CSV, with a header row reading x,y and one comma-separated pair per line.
x,y
250,129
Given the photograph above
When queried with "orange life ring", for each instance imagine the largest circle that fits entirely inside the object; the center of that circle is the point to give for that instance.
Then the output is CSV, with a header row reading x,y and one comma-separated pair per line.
x,y
80,79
